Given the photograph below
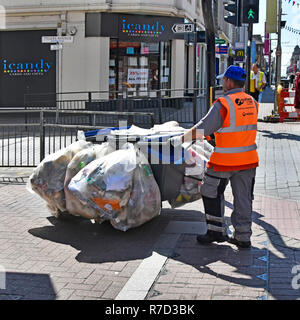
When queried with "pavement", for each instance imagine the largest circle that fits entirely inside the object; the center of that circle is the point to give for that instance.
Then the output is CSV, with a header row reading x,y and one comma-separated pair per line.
x,y
71,258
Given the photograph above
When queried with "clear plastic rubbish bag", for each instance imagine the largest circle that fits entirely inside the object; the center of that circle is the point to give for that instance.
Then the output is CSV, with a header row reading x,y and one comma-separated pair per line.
x,y
105,184
80,161
145,199
196,157
47,180
189,192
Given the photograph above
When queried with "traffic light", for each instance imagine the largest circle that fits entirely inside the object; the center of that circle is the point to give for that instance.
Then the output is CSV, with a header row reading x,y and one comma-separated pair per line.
x,y
250,11
233,7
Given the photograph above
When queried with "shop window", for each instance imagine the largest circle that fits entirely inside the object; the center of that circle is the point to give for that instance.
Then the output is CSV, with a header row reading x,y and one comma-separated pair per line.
x,y
138,69
165,70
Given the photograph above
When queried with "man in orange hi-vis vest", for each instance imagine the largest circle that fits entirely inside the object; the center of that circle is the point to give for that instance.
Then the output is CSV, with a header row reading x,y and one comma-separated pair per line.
x,y
233,120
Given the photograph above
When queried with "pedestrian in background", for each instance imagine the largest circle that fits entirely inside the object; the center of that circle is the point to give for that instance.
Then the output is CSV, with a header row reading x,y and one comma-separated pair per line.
x,y
233,120
257,82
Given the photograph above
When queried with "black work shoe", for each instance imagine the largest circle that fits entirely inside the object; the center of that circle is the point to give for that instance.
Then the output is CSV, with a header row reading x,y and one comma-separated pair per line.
x,y
240,244
209,238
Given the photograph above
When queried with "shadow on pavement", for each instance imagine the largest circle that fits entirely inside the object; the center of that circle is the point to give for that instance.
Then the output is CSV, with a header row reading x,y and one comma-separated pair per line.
x,y
27,286
249,268
280,136
102,243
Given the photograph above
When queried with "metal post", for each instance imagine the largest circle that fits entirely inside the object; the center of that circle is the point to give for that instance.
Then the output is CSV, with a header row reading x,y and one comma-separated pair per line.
x,y
250,32
152,120
160,107
211,94
90,108
121,100
42,136
278,54
195,73
270,60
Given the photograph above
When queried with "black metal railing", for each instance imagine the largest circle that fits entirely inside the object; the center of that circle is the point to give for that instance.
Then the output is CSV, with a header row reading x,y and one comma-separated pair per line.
x,y
26,144
167,104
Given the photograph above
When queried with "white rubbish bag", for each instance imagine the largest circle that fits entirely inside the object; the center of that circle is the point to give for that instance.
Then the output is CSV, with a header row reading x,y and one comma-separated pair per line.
x,y
47,180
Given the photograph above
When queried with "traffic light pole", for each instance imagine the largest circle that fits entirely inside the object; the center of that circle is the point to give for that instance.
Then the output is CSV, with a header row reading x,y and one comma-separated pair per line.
x,y
250,32
210,44
195,92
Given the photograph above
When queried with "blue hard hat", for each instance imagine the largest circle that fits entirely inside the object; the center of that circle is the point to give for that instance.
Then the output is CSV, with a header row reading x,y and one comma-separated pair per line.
x,y
234,72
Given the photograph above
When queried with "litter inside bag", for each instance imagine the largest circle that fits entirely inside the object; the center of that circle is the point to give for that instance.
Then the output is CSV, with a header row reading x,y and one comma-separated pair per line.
x,y
145,198
105,183
48,178
119,187
189,192
196,156
80,161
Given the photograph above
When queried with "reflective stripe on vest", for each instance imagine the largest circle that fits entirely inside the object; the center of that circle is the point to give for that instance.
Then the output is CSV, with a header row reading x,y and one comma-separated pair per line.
x,y
235,150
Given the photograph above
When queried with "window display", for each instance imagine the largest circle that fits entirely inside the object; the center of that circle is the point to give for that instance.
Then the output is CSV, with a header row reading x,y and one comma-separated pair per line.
x,y
139,68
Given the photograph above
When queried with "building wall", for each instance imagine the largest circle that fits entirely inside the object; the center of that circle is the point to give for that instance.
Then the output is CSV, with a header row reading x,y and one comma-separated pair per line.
x,y
84,64
185,8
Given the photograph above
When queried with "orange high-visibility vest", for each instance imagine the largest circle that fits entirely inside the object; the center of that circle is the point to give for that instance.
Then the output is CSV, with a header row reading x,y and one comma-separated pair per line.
x,y
235,141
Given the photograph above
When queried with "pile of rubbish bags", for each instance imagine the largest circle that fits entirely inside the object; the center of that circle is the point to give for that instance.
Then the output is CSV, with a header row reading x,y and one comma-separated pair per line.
x,y
96,181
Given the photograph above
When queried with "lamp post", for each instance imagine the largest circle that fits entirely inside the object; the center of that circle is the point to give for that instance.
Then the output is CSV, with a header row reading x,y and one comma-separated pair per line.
x,y
278,54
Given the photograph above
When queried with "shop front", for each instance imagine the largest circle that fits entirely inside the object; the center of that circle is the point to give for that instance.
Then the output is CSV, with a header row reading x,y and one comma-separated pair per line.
x,y
140,51
27,66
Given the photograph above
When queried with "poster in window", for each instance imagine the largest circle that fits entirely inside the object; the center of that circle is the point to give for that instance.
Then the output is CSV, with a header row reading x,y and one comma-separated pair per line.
x,y
143,92
152,94
138,76
145,50
143,61
132,61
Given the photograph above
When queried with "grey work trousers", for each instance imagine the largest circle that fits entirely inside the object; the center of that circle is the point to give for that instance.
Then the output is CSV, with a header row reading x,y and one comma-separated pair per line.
x,y
212,190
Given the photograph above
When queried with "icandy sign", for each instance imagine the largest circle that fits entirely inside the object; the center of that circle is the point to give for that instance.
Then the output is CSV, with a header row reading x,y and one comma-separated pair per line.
x,y
16,68
131,27
145,28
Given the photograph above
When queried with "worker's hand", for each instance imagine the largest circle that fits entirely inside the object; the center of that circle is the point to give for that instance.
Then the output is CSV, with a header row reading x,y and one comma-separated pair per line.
x,y
176,141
